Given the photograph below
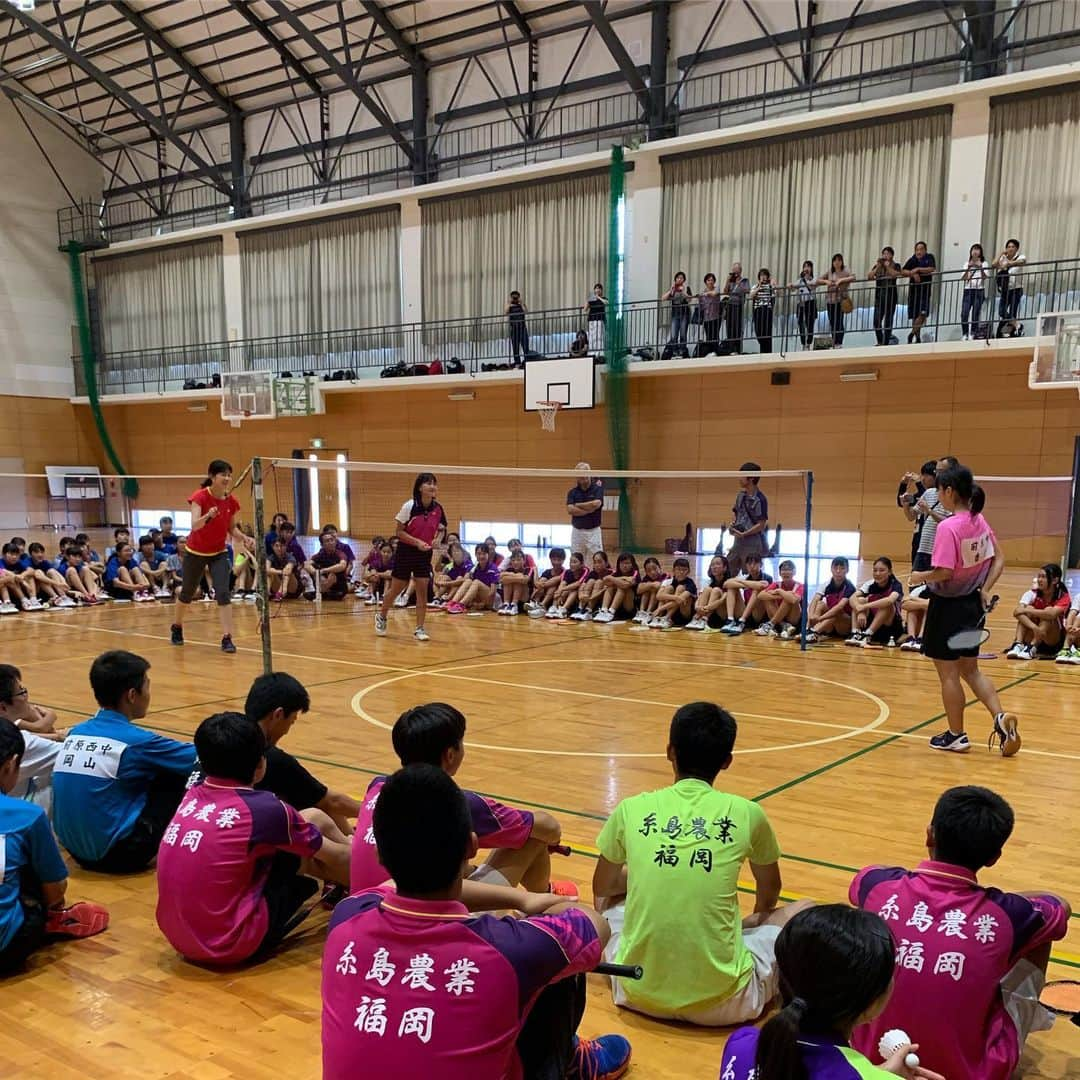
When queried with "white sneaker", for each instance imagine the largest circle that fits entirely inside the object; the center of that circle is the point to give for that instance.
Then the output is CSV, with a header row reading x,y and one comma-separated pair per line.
x,y
640,617
380,624
66,601
664,623
402,600
1017,652
32,603
513,609
765,630
789,633
604,616
420,634
579,616
162,593
8,608
537,612
503,609
696,624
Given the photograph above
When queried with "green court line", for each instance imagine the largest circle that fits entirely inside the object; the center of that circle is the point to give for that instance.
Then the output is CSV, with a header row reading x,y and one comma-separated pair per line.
x,y
875,746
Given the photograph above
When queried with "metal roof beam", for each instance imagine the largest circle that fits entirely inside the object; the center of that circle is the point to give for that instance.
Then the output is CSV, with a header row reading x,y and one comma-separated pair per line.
x,y
152,34
343,73
292,63
516,17
408,52
157,126
614,45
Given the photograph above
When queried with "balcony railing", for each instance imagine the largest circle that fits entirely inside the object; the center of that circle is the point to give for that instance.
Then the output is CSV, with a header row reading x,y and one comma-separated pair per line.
x,y
483,343
916,59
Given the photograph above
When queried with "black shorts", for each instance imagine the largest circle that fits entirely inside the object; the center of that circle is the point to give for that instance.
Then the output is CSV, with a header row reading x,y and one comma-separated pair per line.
x,y
922,560
918,302
891,630
945,616
410,562
28,938
221,575
285,892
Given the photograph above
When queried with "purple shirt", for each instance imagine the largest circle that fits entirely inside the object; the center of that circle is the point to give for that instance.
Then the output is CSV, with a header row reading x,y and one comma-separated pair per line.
x,y
455,572
495,825
415,988
488,575
822,1059
955,941
213,864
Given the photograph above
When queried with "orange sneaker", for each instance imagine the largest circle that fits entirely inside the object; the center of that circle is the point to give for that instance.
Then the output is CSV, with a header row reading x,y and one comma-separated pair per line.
x,y
566,889
80,920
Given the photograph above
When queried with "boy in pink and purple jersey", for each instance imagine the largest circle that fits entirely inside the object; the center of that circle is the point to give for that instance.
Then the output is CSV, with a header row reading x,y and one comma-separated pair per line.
x,y
970,960
236,863
519,840
414,985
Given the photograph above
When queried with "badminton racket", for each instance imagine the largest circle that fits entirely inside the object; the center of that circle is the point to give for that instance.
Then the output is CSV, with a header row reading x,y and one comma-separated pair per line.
x,y
1063,997
971,637
620,971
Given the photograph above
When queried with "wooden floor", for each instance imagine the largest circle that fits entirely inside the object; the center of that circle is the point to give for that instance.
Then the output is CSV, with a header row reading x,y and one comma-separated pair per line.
x,y
570,718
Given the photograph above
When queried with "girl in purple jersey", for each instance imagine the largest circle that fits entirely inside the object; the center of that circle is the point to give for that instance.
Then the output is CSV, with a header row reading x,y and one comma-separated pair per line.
x,y
620,592
480,589
967,561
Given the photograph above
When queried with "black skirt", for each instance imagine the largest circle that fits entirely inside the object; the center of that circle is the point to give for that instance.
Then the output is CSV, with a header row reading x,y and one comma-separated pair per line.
x,y
945,616
410,562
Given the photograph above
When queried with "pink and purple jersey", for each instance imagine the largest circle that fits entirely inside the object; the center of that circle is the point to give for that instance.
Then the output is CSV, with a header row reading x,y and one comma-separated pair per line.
x,y
833,594
213,864
420,523
486,575
796,587
822,1059
955,941
495,825
456,571
966,545
422,988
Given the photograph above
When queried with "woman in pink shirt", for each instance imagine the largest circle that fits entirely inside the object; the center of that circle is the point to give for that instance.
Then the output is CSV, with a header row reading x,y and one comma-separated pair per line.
x,y
966,563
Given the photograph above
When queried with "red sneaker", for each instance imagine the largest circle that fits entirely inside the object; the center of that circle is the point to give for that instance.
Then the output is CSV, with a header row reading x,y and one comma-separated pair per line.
x,y
454,608
566,889
80,920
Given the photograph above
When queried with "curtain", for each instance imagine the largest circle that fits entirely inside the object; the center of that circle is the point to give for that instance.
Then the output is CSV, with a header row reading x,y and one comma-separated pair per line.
x,y
774,204
338,274
1030,197
547,240
162,297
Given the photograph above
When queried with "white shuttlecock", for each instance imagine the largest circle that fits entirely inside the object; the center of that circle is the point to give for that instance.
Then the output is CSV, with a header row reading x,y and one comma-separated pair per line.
x,y
891,1041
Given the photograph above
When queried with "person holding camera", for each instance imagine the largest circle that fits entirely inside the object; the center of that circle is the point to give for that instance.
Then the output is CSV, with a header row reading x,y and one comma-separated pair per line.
x,y
884,273
735,289
837,302
1009,268
519,335
680,296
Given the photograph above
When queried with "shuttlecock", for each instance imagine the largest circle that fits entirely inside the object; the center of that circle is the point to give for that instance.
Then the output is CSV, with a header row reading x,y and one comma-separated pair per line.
x,y
891,1041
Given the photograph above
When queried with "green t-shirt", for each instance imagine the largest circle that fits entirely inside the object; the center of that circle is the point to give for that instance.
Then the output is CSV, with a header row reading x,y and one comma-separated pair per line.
x,y
683,847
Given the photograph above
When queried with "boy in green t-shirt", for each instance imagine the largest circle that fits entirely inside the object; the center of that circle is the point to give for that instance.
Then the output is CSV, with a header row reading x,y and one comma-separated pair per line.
x,y
667,879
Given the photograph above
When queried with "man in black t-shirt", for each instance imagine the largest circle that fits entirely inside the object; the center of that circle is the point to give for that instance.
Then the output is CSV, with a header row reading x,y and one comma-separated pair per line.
x,y
920,270
274,702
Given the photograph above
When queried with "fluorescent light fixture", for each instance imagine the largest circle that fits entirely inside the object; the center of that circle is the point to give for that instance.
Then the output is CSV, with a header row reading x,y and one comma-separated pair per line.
x,y
197,408
342,496
858,376
313,481
465,395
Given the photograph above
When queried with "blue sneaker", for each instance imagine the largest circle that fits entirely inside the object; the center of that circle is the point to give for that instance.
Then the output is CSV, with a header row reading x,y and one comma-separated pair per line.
x,y
947,740
603,1058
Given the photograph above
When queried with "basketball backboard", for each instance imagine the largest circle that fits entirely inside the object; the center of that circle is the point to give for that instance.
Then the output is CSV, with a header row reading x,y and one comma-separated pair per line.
x,y
568,380
1055,363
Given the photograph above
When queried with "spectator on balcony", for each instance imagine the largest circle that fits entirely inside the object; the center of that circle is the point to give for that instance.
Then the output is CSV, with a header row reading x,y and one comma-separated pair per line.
x,y
596,306
763,296
680,296
735,288
883,274
920,270
976,275
806,309
1010,268
580,345
837,301
709,305
519,334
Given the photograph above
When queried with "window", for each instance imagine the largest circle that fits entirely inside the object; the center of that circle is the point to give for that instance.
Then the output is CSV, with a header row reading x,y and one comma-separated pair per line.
x,y
142,521
533,535
824,544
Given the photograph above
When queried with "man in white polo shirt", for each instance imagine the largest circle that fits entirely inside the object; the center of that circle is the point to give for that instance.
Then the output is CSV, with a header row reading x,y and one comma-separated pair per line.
x,y
584,502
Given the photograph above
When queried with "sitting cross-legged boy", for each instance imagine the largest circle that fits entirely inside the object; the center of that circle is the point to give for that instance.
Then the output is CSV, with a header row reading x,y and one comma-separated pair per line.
x,y
153,564
675,600
236,864
970,960
544,589
745,607
282,573
413,985
667,880
115,785
275,702
329,566
18,580
50,582
519,840
33,877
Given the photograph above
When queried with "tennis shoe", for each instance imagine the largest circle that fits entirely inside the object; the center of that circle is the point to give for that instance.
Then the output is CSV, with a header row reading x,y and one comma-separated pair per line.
x,y
513,609
857,640
80,920
380,624
1016,651
788,633
227,645
949,740
766,629
1069,655
401,600
8,608
1005,735
604,1058
420,634
537,612
176,634
566,889
696,623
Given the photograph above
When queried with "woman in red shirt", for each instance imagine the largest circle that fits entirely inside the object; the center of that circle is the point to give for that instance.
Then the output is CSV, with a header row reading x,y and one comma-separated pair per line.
x,y
213,520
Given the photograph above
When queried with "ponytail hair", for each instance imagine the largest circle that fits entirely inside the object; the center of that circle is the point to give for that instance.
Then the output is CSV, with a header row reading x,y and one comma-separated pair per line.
x,y
215,468
959,478
417,497
978,499
1055,587
834,963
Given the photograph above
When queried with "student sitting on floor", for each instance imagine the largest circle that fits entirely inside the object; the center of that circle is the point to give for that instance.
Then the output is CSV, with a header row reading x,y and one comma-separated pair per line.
x,y
93,560
18,580
275,702
515,545
124,580
743,601
121,535
1071,653
331,566
566,592
782,601
971,961
515,582
42,739
379,572
620,590
652,580
480,589
236,864
875,607
547,584
712,597
1040,623
115,785
830,610
836,971
50,581
449,578
33,877
282,573
434,734
592,589
168,537
79,578
669,865
414,986
153,565
175,566
913,608
675,600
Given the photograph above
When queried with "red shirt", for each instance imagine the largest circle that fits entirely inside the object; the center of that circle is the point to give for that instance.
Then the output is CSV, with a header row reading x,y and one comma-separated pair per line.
x,y
212,537
1040,603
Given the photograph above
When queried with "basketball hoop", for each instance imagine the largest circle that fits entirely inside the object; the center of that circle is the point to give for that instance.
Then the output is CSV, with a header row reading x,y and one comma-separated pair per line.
x,y
548,410
236,421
